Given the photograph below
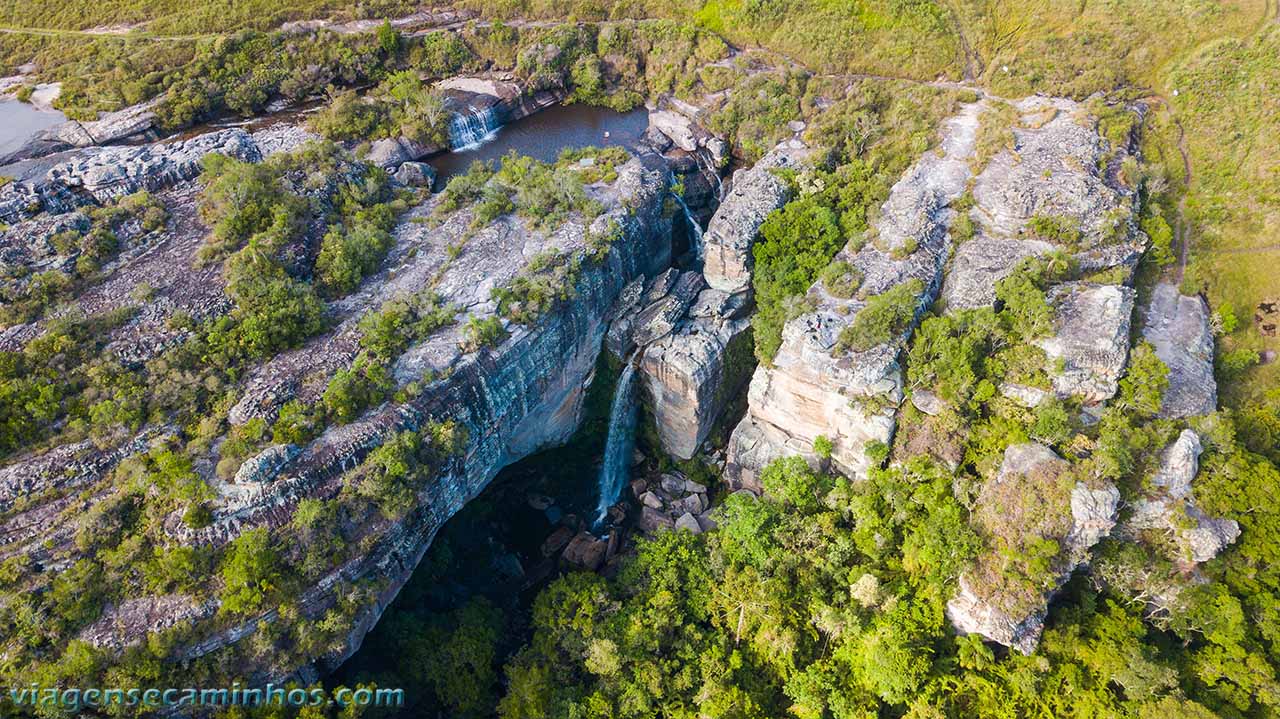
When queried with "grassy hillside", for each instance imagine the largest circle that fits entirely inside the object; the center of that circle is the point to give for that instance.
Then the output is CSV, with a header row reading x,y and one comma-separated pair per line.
x,y
1077,48
1229,102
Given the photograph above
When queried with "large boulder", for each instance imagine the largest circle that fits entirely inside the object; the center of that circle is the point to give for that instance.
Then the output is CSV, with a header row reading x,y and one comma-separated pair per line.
x,y
676,127
1177,327
1033,499
264,466
1170,509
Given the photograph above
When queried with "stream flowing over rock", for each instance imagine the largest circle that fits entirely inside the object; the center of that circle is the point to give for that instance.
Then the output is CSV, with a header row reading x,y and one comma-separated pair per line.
x,y
812,389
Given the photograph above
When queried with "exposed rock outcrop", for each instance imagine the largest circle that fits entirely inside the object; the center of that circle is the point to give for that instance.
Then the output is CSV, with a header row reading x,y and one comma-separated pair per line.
x,y
1090,341
1178,327
1170,508
1032,498
106,173
512,400
692,375
753,195
815,389
1059,167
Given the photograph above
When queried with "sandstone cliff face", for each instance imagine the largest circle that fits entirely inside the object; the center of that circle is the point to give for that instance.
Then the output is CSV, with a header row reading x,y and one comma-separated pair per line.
x,y
753,195
812,389
513,400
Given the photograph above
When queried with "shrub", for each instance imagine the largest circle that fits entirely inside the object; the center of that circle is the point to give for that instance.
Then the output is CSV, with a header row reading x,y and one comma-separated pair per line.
x,y
481,333
250,573
1064,231
352,391
883,317
841,279
796,243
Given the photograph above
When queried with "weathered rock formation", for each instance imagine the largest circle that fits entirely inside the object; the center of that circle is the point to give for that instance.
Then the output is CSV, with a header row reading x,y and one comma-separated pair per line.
x,y
1090,340
752,196
812,389
508,401
1033,498
1059,167
1178,327
1170,509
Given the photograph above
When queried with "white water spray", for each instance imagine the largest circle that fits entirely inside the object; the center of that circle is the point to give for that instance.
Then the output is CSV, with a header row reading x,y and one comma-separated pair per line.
x,y
471,129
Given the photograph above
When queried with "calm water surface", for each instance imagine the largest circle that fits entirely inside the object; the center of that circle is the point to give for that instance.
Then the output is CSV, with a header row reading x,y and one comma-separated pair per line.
x,y
20,122
546,133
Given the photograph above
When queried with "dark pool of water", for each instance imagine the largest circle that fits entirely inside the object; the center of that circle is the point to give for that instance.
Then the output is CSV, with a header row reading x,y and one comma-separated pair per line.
x,y
547,133
20,122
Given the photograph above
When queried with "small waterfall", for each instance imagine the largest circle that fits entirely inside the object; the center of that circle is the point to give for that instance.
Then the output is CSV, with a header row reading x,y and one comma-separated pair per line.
x,y
470,129
695,239
705,166
623,416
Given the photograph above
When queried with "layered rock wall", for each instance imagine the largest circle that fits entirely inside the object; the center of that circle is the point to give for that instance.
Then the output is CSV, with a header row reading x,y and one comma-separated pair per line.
x,y
813,388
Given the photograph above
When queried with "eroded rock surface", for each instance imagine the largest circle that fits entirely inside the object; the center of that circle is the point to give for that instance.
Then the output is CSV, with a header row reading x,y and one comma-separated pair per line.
x,y
1178,327
1059,168
1031,499
105,173
1170,507
753,195
1090,341
812,389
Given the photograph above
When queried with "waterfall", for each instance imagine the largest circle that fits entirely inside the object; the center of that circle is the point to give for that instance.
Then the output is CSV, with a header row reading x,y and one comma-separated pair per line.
x,y
621,440
705,166
470,129
695,239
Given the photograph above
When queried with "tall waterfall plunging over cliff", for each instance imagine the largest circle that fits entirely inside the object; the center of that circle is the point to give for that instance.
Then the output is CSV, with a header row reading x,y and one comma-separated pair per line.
x,y
472,128
695,238
620,442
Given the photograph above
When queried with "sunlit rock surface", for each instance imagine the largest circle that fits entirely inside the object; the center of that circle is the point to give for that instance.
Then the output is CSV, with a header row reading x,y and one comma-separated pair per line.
x,y
812,390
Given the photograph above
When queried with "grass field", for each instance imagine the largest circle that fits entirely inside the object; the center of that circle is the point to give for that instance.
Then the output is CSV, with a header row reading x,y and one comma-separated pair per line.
x,y
1228,98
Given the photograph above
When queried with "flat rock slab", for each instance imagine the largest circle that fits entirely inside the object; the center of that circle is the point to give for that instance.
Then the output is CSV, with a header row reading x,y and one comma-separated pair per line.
x,y
1090,340
1178,327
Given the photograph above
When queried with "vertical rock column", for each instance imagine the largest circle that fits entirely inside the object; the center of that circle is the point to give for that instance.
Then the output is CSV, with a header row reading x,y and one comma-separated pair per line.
x,y
692,373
